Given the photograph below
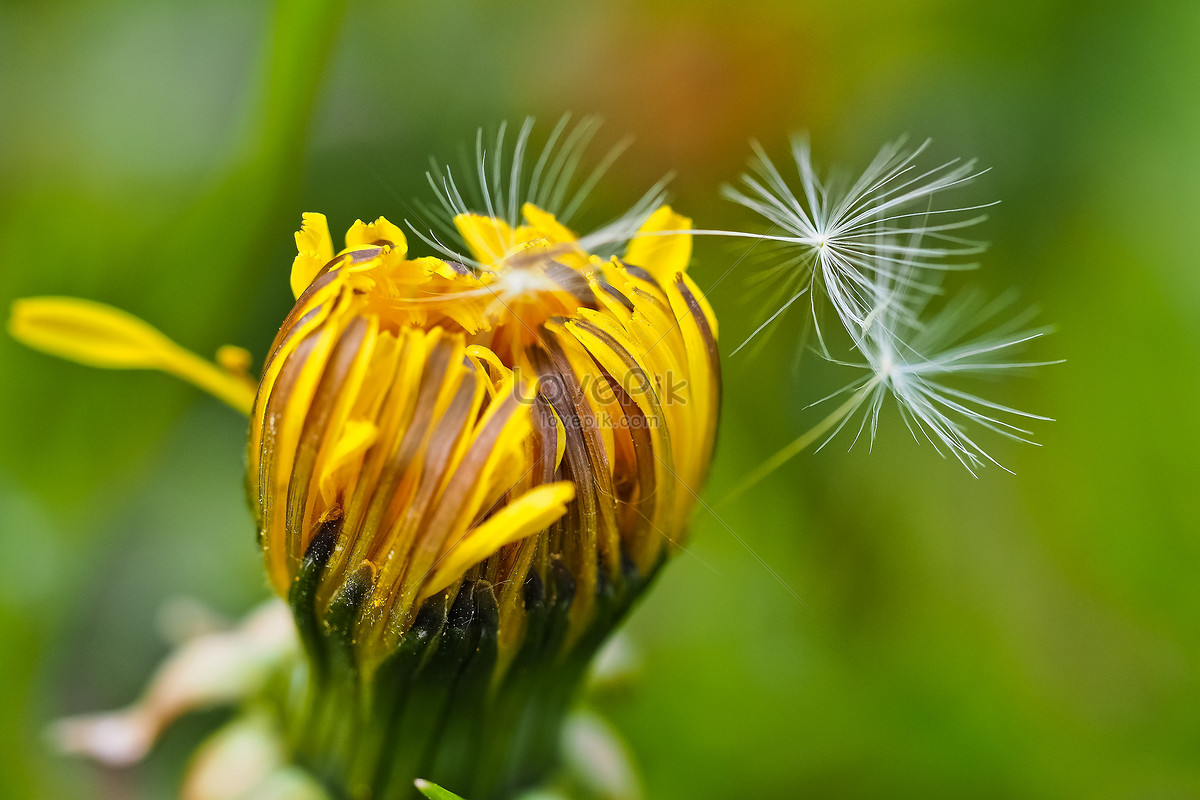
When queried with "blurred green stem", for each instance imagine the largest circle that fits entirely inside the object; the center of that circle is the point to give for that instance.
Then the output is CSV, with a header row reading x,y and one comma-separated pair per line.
x,y
248,211
800,444
302,37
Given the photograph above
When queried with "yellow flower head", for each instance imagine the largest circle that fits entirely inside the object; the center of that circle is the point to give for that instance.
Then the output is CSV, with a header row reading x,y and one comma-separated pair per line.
x,y
463,468
423,422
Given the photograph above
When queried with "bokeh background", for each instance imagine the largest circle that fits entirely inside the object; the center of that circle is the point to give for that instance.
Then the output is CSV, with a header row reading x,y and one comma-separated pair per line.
x,y
1035,636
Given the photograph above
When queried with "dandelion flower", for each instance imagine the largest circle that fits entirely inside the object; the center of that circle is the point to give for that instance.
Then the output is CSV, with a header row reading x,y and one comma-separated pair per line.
x,y
488,453
463,469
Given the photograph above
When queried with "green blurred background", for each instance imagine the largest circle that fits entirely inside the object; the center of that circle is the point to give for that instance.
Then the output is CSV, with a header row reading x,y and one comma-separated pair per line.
x,y
1035,636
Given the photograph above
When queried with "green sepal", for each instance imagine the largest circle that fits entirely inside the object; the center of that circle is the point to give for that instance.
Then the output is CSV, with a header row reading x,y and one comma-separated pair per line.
x,y
420,721
302,597
339,621
389,689
465,721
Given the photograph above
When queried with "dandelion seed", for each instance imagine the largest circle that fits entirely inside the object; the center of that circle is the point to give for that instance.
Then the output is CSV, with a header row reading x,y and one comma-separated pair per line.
x,y
866,248
917,373
915,364
848,236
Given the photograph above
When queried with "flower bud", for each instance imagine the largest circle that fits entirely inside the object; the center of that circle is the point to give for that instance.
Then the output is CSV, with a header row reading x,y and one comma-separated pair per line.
x,y
445,455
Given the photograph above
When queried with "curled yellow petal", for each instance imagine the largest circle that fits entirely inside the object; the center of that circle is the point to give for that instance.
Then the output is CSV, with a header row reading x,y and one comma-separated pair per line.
x,y
354,441
530,513
380,231
663,255
489,240
102,336
547,225
314,248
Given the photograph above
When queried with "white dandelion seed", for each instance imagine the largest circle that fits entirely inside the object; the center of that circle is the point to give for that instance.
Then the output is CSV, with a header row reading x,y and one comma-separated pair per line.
x,y
919,360
920,367
922,374
846,237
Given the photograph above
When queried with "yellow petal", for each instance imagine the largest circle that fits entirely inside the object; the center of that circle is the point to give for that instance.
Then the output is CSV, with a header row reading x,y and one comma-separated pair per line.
x,y
560,439
534,511
315,249
489,240
547,225
498,374
313,236
436,266
378,232
88,332
666,255
305,267
544,230
102,336
356,437
702,302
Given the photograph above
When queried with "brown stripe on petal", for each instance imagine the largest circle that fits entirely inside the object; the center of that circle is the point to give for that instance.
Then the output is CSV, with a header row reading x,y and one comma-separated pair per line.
x,y
545,431
590,524
410,530
369,532
361,254
282,339
429,443
413,526
640,274
389,414
714,363
451,505
654,496
657,300
616,293
287,331
642,538
572,282
337,366
274,545
301,312
701,320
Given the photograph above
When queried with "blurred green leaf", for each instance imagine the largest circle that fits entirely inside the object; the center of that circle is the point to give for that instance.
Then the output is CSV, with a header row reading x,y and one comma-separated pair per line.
x,y
435,792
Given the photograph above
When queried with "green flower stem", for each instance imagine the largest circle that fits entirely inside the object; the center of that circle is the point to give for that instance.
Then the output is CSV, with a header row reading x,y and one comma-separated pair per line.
x,y
804,441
